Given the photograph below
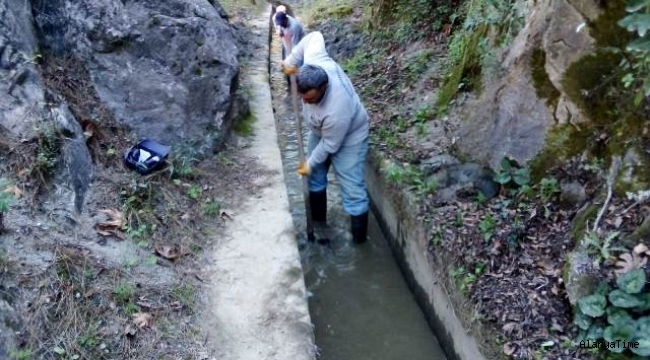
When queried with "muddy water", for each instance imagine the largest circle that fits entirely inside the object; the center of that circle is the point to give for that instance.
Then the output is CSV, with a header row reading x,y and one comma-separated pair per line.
x,y
359,302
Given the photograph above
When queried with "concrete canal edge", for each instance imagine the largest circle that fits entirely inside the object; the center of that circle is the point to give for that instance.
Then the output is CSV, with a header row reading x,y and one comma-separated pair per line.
x,y
408,239
258,300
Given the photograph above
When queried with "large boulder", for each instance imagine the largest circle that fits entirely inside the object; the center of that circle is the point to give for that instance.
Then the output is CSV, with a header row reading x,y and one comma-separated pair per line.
x,y
167,69
511,118
22,98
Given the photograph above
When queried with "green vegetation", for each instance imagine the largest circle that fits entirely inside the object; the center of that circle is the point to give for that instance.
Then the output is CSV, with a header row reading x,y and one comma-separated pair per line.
x,y
246,125
123,292
194,191
548,188
637,68
601,248
6,199
487,226
608,86
183,167
619,313
418,65
386,136
511,175
543,85
488,27
315,11
21,354
47,154
412,178
464,278
138,209
212,208
464,68
184,294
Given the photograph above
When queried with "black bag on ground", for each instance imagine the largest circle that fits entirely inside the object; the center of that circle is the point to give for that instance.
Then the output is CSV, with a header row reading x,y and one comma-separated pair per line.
x,y
146,156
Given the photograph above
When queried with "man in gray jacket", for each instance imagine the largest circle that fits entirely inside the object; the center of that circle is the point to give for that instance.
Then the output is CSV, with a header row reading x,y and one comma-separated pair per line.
x,y
339,131
288,29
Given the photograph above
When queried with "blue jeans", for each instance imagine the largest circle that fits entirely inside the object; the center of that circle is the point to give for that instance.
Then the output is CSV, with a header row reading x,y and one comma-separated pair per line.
x,y
348,164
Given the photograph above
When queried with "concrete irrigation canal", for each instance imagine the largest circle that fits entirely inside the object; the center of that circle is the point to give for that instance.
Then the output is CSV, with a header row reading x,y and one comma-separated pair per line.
x,y
296,299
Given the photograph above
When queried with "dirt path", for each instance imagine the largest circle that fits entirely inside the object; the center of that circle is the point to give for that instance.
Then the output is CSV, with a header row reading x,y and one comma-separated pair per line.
x,y
259,299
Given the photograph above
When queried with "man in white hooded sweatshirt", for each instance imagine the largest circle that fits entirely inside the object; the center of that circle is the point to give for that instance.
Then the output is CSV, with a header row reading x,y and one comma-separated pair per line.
x,y
339,131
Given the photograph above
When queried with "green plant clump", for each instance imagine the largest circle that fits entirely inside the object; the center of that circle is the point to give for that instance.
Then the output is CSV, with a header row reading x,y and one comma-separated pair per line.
x,y
511,175
246,125
6,199
617,319
413,178
637,71
47,154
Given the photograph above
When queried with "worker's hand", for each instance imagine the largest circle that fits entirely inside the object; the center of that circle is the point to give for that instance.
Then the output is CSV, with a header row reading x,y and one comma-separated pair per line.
x,y
287,68
304,169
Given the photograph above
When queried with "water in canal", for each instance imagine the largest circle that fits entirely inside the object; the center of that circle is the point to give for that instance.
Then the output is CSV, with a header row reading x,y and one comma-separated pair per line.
x,y
359,302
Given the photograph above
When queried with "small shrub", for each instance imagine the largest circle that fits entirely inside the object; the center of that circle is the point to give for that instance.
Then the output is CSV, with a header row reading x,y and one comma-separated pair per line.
x,y
601,248
211,208
21,354
6,199
131,308
183,168
246,125
464,278
47,153
511,175
194,191
619,315
548,187
123,292
395,174
487,226
184,294
637,70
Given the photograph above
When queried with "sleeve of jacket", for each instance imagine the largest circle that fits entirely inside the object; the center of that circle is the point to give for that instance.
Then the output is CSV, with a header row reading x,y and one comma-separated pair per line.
x,y
335,127
296,32
310,48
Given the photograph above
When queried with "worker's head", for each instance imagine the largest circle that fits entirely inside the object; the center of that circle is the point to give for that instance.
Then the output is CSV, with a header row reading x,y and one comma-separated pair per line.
x,y
312,83
281,19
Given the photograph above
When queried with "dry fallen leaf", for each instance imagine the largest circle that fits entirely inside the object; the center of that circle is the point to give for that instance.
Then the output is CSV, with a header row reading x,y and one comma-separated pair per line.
x,y
628,262
225,213
170,252
185,250
555,290
104,232
618,221
14,190
89,130
176,305
130,330
107,230
509,349
507,328
641,249
142,320
116,219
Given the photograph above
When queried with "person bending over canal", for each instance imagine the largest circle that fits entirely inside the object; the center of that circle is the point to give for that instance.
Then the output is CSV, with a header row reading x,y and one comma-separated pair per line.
x,y
288,29
338,136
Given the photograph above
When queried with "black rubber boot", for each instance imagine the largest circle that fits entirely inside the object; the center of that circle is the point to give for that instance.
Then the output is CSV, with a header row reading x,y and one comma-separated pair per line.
x,y
318,206
359,228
